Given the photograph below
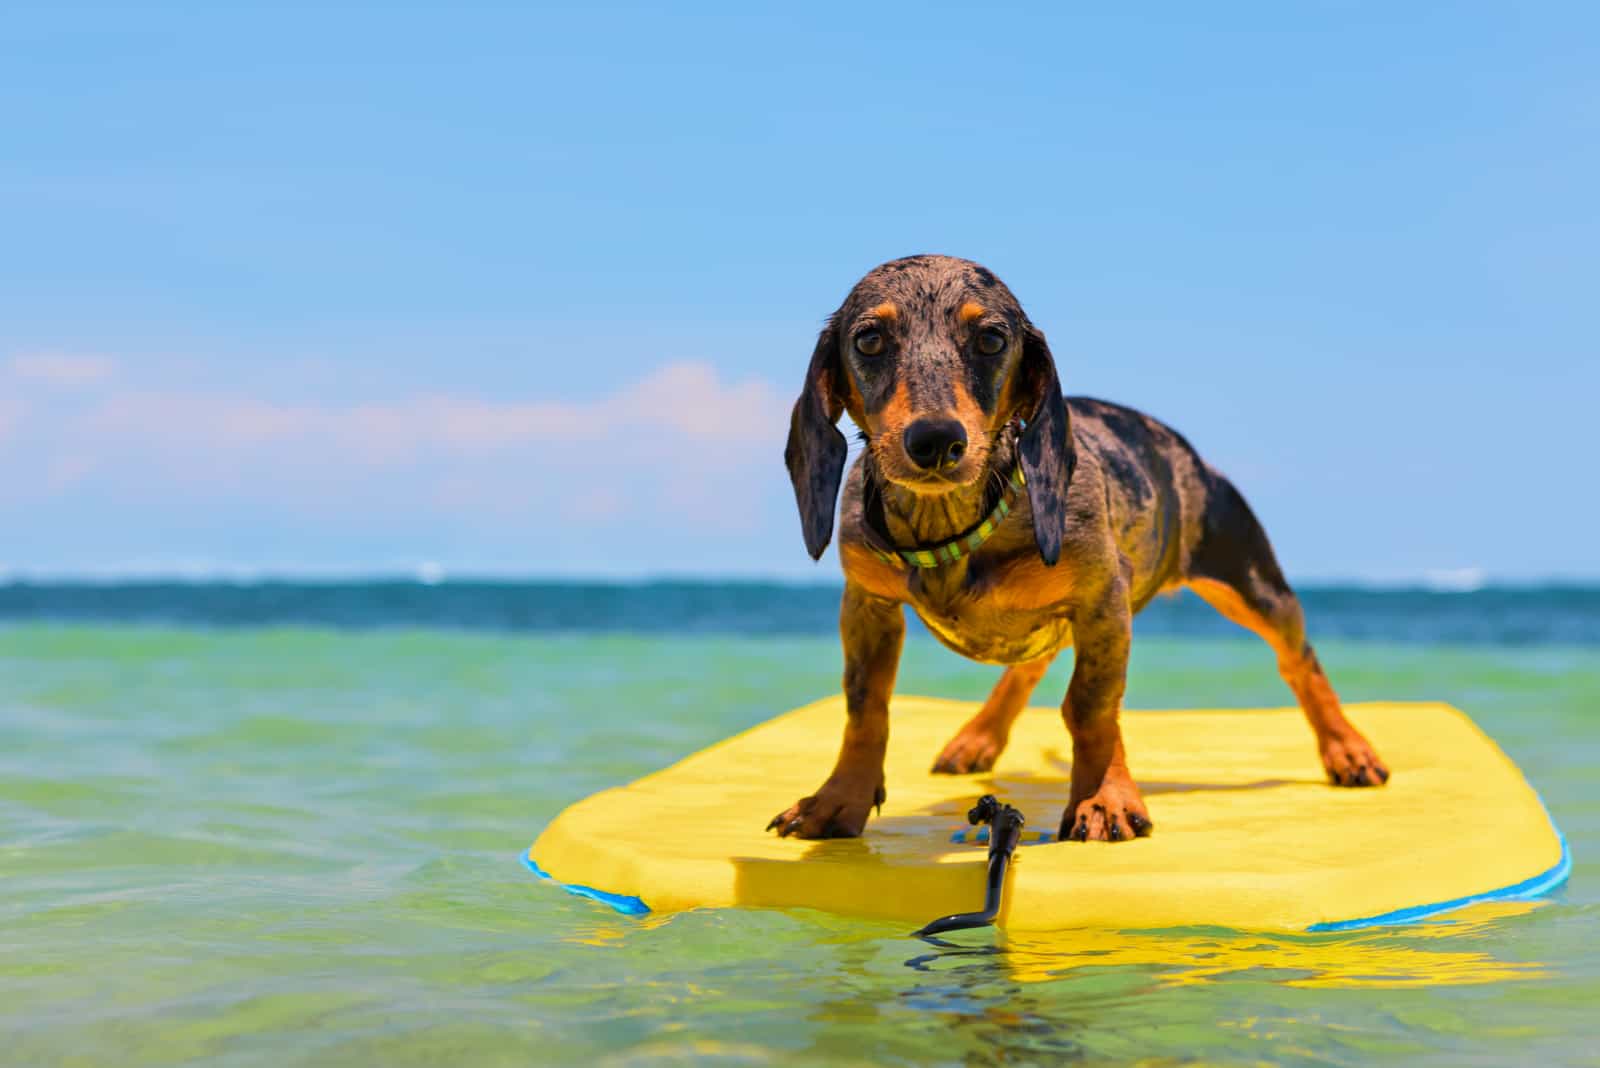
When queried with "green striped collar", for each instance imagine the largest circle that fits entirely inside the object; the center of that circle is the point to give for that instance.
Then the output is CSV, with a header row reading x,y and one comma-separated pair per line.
x,y
951,551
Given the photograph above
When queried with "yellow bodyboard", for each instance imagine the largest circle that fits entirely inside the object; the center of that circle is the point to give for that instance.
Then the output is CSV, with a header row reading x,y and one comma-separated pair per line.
x,y
1248,833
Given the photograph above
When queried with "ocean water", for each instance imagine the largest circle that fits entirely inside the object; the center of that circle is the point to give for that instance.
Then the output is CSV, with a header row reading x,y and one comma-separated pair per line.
x,y
280,825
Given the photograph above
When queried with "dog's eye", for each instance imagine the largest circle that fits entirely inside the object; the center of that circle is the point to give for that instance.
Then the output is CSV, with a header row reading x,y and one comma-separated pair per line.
x,y
991,342
869,343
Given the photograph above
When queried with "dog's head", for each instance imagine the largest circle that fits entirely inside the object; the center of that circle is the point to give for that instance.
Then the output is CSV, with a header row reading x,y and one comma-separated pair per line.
x,y
932,357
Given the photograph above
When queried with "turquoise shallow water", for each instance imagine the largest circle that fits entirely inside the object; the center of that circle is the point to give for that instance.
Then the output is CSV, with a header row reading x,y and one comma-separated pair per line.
x,y
300,845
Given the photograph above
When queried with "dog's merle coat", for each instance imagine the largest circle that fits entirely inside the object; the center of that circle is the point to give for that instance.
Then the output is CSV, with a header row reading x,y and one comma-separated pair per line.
x,y
1118,508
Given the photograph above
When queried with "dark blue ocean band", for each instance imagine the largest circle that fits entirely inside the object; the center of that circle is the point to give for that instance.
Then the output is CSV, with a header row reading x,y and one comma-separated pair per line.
x,y
1537,886
628,906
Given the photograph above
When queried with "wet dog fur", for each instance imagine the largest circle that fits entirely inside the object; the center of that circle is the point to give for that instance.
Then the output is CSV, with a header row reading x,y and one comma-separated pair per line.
x,y
952,387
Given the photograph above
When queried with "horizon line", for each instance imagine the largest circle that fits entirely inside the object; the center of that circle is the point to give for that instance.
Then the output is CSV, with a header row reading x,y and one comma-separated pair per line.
x,y
429,575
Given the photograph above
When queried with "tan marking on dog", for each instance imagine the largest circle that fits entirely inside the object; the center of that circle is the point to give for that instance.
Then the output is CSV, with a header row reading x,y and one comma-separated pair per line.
x,y
854,403
887,310
967,408
1014,397
892,420
896,414
971,310
970,413
1007,407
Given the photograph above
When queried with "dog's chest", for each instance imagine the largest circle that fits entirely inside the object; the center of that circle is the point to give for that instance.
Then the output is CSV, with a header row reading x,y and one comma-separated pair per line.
x,y
985,627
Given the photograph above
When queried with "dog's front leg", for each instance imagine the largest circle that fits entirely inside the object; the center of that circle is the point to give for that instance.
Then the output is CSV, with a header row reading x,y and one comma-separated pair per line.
x,y
1105,804
872,629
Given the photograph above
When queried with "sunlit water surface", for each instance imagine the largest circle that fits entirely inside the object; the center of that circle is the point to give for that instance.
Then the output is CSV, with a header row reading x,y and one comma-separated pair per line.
x,y
271,846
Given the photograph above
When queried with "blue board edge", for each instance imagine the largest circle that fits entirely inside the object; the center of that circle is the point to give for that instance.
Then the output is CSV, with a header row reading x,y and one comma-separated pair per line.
x,y
1536,886
623,903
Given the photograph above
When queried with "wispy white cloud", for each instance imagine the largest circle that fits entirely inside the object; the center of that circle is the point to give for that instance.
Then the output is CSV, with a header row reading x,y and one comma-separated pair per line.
x,y
60,369
662,441
687,401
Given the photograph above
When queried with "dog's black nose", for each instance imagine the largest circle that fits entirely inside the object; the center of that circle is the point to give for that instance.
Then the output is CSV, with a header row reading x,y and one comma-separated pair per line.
x,y
935,443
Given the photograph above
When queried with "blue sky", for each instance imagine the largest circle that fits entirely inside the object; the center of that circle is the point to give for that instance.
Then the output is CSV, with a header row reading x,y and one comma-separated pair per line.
x,y
528,291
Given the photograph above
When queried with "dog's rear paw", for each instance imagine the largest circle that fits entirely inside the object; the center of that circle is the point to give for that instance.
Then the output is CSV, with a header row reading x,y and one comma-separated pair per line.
x,y
974,748
1351,761
837,810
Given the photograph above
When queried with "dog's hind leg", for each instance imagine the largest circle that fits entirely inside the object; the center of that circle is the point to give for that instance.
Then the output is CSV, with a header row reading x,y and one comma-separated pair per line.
x,y
983,738
1233,569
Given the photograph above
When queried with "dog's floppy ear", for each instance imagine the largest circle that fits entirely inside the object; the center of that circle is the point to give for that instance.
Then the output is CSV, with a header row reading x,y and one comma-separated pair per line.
x,y
816,450
1046,449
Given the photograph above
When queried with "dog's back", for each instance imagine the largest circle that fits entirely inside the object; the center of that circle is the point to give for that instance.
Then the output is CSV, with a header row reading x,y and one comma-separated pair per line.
x,y
1157,489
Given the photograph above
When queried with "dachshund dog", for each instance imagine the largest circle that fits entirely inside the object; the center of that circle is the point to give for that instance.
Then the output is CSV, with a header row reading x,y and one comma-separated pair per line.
x,y
1015,522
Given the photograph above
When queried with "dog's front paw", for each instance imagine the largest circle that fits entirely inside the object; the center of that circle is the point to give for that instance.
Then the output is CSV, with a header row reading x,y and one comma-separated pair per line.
x,y
1350,760
1114,813
838,810
974,748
